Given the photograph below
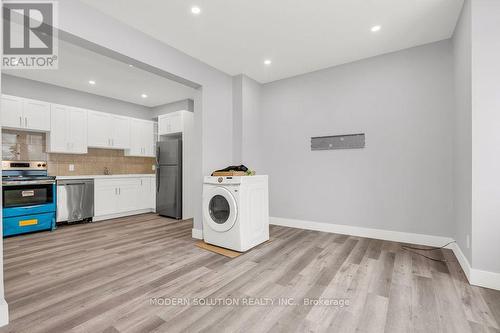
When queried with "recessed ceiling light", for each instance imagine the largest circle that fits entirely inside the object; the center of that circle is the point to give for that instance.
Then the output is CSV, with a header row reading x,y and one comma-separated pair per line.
x,y
130,65
195,10
144,96
376,28
267,62
92,82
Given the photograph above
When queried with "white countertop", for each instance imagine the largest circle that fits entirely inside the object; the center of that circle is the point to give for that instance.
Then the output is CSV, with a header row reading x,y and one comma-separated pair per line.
x,y
106,176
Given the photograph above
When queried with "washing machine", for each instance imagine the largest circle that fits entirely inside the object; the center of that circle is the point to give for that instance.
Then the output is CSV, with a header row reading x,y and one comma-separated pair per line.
x,y
236,211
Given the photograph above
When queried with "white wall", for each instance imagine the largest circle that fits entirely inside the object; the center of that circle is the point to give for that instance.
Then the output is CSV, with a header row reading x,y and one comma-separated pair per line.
x,y
247,122
251,142
486,135
462,159
213,108
402,180
237,119
4,308
185,104
17,86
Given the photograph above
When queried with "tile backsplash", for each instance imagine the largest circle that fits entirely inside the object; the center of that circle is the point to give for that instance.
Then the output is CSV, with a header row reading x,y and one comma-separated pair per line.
x,y
23,146
30,146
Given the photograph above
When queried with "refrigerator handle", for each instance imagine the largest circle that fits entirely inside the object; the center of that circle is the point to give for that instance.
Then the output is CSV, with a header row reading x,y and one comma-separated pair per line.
x,y
157,168
157,154
157,179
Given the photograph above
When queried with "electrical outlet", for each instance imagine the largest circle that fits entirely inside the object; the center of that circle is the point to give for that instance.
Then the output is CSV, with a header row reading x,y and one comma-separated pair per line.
x,y
467,240
71,167
153,167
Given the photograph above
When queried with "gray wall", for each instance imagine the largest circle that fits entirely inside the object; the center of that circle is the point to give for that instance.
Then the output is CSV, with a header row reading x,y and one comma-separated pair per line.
x,y
237,118
402,180
462,161
17,86
246,122
486,135
186,104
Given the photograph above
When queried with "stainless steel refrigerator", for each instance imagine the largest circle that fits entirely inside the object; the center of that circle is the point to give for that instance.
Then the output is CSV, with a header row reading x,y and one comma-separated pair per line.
x,y
169,177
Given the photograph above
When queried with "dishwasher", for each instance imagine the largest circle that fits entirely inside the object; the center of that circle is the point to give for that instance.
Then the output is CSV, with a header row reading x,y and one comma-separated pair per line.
x,y
75,200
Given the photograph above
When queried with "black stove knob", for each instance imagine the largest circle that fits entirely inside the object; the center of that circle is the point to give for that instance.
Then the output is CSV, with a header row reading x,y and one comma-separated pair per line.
x,y
39,165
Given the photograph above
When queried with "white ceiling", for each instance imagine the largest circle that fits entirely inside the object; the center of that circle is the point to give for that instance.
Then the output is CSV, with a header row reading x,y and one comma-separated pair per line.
x,y
300,36
115,79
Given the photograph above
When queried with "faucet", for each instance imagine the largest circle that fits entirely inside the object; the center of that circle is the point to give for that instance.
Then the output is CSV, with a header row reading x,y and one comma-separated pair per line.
x,y
106,171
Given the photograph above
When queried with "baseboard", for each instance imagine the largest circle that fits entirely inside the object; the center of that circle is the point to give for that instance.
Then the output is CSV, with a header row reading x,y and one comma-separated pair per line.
x,y
197,233
475,276
485,279
389,235
4,312
462,260
114,216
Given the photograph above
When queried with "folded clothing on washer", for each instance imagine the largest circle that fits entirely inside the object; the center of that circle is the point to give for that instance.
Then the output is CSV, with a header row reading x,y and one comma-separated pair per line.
x,y
233,168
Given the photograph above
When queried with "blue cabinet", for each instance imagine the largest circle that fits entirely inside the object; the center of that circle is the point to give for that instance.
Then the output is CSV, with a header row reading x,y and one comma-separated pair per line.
x,y
28,223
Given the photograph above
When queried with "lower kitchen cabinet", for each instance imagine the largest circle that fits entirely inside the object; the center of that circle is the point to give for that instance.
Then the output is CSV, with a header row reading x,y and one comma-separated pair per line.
x,y
119,196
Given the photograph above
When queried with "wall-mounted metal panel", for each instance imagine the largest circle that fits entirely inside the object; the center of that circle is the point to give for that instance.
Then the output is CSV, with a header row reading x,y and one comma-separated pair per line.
x,y
349,141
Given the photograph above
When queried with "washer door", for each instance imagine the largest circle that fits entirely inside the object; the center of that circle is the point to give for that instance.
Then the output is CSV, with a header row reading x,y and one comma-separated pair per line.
x,y
219,209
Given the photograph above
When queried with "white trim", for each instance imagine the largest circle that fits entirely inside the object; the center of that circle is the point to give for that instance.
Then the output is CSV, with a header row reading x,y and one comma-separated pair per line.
x,y
4,312
485,279
395,236
197,233
462,260
117,215
476,277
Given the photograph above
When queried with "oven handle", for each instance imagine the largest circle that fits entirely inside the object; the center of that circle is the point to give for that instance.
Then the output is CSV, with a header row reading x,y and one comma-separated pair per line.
x,y
36,182
28,207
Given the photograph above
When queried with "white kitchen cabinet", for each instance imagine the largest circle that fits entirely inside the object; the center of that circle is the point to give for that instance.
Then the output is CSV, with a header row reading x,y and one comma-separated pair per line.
x,y
25,114
98,129
36,115
171,123
78,131
106,200
120,129
108,131
68,130
118,196
142,138
12,111
147,192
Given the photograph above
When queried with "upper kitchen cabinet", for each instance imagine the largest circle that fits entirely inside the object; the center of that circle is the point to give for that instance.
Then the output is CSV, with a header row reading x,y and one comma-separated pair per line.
x,y
108,131
25,114
142,132
68,130
171,123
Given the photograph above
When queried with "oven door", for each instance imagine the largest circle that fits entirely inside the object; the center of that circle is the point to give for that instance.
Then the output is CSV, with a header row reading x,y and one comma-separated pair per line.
x,y
31,194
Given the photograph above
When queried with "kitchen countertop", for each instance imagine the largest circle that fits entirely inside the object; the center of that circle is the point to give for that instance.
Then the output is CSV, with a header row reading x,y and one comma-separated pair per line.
x,y
106,176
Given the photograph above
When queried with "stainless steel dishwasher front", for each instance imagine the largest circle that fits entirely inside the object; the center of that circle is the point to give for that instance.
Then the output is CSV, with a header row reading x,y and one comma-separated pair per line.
x,y
75,200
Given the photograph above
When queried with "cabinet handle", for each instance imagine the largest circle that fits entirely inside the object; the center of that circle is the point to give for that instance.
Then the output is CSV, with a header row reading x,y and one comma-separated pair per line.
x,y
119,191
20,121
26,121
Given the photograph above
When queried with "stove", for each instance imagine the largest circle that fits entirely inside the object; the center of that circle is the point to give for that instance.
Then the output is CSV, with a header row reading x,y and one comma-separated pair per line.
x,y
29,197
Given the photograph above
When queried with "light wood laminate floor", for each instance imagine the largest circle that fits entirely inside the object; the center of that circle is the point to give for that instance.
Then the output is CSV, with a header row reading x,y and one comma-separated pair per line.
x,y
101,277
